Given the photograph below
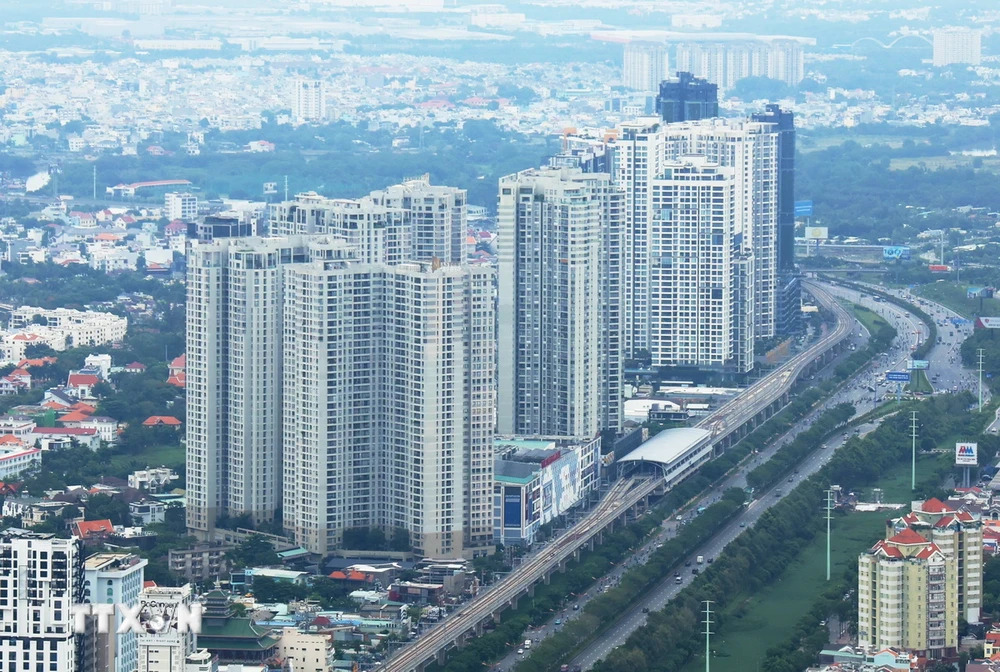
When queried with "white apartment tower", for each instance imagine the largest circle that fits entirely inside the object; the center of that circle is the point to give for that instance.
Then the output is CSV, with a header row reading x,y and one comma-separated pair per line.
x,y
437,217
411,221
701,266
389,402
114,578
957,46
378,234
559,328
165,648
41,578
308,101
234,360
725,63
646,64
643,152
181,206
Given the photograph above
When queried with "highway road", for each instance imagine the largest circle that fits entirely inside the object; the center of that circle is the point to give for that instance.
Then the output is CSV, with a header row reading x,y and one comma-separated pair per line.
x,y
619,498
910,332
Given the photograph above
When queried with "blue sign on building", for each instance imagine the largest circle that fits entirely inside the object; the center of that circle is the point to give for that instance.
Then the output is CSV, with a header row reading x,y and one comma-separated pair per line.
x,y
803,208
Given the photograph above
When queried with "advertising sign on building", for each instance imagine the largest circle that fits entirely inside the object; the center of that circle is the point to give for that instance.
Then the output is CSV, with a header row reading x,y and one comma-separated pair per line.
x,y
895,252
966,454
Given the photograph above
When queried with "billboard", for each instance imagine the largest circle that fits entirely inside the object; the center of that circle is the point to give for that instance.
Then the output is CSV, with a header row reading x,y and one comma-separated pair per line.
x,y
512,507
988,323
803,208
895,252
966,454
898,376
918,365
938,268
817,233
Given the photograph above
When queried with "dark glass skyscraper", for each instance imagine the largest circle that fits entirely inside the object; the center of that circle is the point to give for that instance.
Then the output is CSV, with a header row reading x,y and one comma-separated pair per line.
x,y
789,292
687,98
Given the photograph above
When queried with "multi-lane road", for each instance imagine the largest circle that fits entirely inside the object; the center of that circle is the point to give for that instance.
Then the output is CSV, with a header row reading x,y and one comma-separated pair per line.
x,y
910,333
622,496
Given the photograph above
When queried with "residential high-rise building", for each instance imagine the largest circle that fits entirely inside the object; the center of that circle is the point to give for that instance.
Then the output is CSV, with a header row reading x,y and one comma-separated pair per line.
x,y
41,579
389,400
642,153
379,234
117,579
687,98
437,217
559,320
725,63
701,269
308,101
915,585
165,647
180,206
961,46
959,535
234,373
645,65
221,225
788,301
411,221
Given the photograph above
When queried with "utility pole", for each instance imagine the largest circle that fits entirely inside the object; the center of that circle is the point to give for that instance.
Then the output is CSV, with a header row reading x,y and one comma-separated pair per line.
x,y
95,182
829,517
980,352
913,450
708,634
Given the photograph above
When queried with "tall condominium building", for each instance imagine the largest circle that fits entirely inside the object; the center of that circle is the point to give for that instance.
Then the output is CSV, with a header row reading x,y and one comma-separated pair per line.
x,y
165,647
437,217
788,292
959,535
41,578
687,98
559,320
234,377
646,64
908,596
725,63
701,269
962,46
389,402
412,221
114,578
180,206
378,234
643,151
308,100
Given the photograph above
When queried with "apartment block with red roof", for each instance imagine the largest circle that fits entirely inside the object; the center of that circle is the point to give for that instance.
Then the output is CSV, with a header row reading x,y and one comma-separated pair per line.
x,y
916,584
959,535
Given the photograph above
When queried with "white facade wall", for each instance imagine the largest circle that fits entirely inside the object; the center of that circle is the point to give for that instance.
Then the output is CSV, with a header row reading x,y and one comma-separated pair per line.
x,y
115,578
645,66
559,335
700,306
389,403
41,578
165,651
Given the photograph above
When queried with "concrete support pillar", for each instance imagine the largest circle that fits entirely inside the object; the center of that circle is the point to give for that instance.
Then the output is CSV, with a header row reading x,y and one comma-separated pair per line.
x,y
546,579
531,590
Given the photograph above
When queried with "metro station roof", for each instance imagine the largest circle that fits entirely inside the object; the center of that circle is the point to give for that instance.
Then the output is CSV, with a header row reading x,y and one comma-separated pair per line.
x,y
668,445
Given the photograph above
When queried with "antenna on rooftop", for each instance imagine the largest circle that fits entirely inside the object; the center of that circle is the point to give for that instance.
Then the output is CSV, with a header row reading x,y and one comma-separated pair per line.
x,y
286,187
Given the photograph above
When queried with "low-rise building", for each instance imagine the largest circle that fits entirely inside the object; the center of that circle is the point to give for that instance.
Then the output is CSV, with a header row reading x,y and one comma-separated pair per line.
x,y
203,562
306,651
537,480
